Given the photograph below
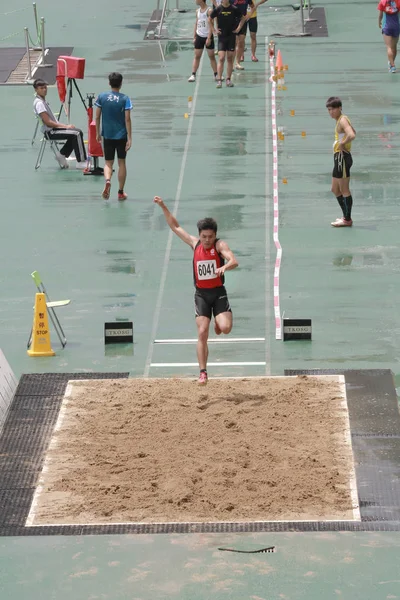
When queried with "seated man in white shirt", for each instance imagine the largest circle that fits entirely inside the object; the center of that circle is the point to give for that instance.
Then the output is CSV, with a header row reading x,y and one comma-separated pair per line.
x,y
58,131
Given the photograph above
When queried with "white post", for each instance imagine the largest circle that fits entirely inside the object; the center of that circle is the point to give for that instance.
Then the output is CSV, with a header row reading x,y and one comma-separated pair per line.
x,y
302,16
36,19
29,76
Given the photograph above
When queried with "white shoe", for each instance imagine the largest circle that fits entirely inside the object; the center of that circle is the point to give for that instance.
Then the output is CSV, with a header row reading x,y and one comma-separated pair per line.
x,y
62,161
192,78
81,165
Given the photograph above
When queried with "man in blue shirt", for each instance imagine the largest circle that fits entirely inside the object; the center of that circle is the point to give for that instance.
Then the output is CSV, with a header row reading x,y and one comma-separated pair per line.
x,y
114,110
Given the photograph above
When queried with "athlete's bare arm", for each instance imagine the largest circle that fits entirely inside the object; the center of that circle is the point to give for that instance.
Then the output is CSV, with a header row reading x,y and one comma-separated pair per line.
x,y
174,225
380,19
348,130
231,262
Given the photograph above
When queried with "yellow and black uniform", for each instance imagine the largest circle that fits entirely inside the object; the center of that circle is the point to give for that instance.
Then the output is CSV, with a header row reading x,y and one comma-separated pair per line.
x,y
342,160
253,23
228,18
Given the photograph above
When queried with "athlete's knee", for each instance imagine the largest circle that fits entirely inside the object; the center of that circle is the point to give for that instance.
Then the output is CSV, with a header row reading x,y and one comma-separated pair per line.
x,y
226,328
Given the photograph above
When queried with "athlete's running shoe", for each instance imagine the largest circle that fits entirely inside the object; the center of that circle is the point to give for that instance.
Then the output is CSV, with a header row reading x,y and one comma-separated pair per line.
x,y
216,78
229,83
106,191
219,84
203,378
342,223
392,69
239,67
122,196
192,78
254,58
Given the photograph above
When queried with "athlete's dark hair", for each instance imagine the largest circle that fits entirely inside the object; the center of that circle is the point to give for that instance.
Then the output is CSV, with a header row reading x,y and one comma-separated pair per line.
x,y
115,80
333,102
39,82
207,223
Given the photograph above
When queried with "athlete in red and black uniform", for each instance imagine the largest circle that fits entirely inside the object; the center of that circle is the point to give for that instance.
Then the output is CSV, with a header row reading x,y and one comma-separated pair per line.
x,y
229,21
211,258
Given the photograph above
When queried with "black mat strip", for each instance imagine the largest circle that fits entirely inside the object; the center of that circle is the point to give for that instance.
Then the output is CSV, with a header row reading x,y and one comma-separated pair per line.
x,y
319,26
375,431
375,426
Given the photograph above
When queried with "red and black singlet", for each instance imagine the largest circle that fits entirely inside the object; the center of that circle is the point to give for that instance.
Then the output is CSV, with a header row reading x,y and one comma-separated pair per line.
x,y
205,265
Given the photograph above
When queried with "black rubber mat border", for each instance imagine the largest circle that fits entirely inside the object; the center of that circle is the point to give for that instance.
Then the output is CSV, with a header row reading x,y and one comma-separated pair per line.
x,y
32,417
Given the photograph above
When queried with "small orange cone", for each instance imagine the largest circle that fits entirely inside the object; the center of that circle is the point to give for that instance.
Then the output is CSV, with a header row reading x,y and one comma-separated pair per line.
x,y
279,62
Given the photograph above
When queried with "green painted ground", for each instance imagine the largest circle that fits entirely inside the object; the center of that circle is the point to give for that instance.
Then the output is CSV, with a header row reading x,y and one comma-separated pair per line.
x,y
113,261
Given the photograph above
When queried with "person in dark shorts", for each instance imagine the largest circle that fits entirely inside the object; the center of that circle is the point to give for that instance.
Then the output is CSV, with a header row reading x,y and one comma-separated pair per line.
x,y
242,5
388,21
113,109
203,38
229,20
211,258
342,161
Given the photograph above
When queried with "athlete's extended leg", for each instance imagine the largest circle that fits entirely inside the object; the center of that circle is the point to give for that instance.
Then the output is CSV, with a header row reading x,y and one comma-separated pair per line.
x,y
239,50
221,63
347,197
253,37
203,327
229,66
391,48
108,170
121,178
213,62
223,323
196,60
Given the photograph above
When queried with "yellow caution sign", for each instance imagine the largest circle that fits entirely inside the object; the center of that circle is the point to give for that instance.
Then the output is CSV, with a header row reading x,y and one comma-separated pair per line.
x,y
41,345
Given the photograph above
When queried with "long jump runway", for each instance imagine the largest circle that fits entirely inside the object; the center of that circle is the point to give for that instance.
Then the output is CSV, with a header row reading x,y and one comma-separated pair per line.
x,y
58,424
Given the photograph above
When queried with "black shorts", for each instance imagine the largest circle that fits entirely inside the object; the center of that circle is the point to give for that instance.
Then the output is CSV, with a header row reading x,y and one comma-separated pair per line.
x,y
200,43
227,43
253,25
342,162
110,146
243,31
211,302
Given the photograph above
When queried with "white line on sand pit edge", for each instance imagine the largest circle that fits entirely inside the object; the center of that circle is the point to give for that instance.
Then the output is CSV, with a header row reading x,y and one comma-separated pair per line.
x,y
167,256
347,433
211,364
52,444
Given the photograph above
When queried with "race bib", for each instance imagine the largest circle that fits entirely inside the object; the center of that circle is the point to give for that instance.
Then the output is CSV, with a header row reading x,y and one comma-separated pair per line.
x,y
206,269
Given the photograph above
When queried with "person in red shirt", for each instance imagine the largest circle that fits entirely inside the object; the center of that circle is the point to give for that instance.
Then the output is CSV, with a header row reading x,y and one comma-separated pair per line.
x,y
211,258
388,21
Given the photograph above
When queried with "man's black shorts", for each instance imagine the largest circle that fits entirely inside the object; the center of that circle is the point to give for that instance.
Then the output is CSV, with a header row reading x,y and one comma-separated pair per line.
x,y
253,25
243,31
227,43
211,302
200,43
110,146
342,162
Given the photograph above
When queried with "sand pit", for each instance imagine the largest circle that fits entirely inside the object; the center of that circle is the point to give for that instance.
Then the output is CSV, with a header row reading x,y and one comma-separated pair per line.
x,y
167,450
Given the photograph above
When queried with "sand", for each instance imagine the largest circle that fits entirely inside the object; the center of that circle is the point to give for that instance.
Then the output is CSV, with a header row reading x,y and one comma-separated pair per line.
x,y
167,450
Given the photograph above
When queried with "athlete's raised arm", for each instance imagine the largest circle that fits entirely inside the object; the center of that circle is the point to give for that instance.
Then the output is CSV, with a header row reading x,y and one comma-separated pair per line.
x,y
231,262
190,240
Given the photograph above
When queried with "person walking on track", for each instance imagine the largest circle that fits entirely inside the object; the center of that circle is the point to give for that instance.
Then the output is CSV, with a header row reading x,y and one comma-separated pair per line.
x,y
211,258
229,20
388,21
113,109
203,38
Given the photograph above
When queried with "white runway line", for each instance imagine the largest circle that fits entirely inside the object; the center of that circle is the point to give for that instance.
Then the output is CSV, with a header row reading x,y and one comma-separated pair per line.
x,y
267,215
210,341
347,432
170,236
211,364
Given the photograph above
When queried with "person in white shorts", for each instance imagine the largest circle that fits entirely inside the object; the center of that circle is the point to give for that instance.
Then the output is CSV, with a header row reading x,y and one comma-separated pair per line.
x,y
203,38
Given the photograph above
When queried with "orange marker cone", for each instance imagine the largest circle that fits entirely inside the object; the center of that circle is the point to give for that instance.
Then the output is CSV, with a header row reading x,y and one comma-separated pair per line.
x,y
279,62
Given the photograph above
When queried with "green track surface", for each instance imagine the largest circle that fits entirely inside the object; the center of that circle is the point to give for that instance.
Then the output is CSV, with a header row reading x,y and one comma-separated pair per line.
x,y
112,260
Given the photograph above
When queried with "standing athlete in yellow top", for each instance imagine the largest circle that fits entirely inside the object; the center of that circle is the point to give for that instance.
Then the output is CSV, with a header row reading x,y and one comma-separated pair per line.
x,y
344,135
